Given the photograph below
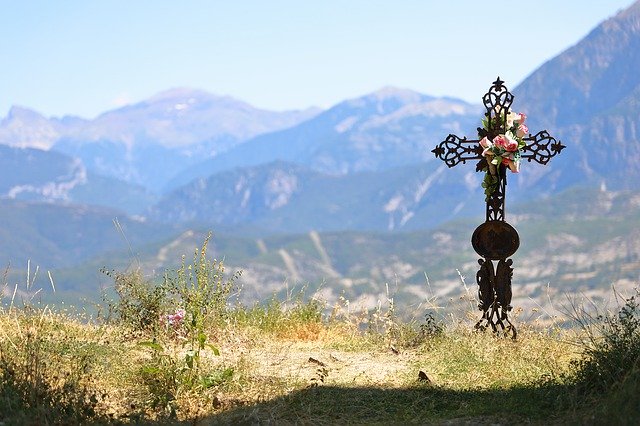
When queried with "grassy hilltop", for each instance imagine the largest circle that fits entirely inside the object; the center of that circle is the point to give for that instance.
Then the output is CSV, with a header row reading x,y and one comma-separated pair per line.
x,y
184,351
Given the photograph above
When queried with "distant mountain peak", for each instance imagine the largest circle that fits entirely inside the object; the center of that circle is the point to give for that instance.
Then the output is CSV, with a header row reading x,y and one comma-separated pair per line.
x,y
183,93
588,78
632,11
24,127
391,92
383,101
18,112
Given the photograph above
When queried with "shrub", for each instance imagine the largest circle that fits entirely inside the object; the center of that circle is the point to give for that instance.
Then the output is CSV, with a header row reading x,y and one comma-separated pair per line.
x,y
614,353
197,295
140,303
610,368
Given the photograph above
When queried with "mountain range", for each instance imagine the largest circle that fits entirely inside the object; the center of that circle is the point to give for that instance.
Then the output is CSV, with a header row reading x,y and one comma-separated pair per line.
x,y
386,129
285,197
148,142
37,175
590,96
185,160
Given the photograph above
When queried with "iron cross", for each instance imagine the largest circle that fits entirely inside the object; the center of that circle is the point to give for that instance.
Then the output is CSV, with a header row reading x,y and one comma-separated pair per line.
x,y
495,239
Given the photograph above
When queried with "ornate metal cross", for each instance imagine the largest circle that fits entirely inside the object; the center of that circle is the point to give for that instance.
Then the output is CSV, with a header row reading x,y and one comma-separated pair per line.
x,y
495,239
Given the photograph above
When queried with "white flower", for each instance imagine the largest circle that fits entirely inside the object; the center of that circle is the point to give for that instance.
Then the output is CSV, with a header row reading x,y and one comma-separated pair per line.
x,y
511,118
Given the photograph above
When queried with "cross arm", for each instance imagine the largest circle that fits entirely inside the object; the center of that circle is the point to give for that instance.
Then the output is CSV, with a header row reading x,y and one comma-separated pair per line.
x,y
541,147
454,150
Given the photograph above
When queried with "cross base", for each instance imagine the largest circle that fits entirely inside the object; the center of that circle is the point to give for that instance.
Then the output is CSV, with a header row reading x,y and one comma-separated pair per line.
x,y
494,293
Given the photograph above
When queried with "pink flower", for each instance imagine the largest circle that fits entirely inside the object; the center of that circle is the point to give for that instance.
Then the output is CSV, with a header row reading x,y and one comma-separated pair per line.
x,y
174,319
514,166
500,141
522,130
487,145
506,142
522,118
514,118
511,144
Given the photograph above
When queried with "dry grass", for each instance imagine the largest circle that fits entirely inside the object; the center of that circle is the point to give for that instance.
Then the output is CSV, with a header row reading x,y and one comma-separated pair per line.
x,y
269,366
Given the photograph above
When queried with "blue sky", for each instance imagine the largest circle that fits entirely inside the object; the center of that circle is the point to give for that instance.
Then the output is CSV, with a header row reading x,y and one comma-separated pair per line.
x,y
85,57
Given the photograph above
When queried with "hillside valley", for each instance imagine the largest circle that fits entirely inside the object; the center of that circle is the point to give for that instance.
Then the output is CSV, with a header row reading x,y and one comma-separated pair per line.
x,y
579,243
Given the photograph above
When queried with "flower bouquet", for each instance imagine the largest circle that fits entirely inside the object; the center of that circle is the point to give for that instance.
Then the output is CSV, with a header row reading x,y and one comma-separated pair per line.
x,y
504,148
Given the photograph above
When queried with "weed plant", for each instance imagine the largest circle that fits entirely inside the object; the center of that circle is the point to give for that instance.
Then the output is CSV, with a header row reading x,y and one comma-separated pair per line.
x,y
139,303
179,316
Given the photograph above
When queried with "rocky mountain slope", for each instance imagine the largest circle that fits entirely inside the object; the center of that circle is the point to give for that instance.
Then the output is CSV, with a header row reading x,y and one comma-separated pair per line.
x,y
286,197
385,129
578,242
148,142
37,175
589,96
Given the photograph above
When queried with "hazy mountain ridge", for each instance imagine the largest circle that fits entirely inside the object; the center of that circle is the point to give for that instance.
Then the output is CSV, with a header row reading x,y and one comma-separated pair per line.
x,y
53,235
25,128
385,129
148,142
37,175
286,197
184,117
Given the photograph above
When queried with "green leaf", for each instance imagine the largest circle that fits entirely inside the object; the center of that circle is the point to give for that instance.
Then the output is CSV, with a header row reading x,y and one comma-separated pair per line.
x,y
152,345
215,350
217,378
149,369
202,338
188,359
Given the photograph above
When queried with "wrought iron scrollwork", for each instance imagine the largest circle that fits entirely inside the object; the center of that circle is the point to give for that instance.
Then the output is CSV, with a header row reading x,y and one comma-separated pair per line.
x,y
504,273
485,278
454,150
494,294
541,147
496,100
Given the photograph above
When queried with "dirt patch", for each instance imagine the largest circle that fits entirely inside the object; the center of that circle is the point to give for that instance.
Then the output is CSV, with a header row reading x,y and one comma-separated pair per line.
x,y
308,362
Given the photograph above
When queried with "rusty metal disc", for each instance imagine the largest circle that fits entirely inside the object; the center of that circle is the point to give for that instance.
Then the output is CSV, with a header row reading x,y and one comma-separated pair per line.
x,y
495,240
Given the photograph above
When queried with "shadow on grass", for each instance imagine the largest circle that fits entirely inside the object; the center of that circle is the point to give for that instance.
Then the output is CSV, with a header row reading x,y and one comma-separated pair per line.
x,y
419,404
